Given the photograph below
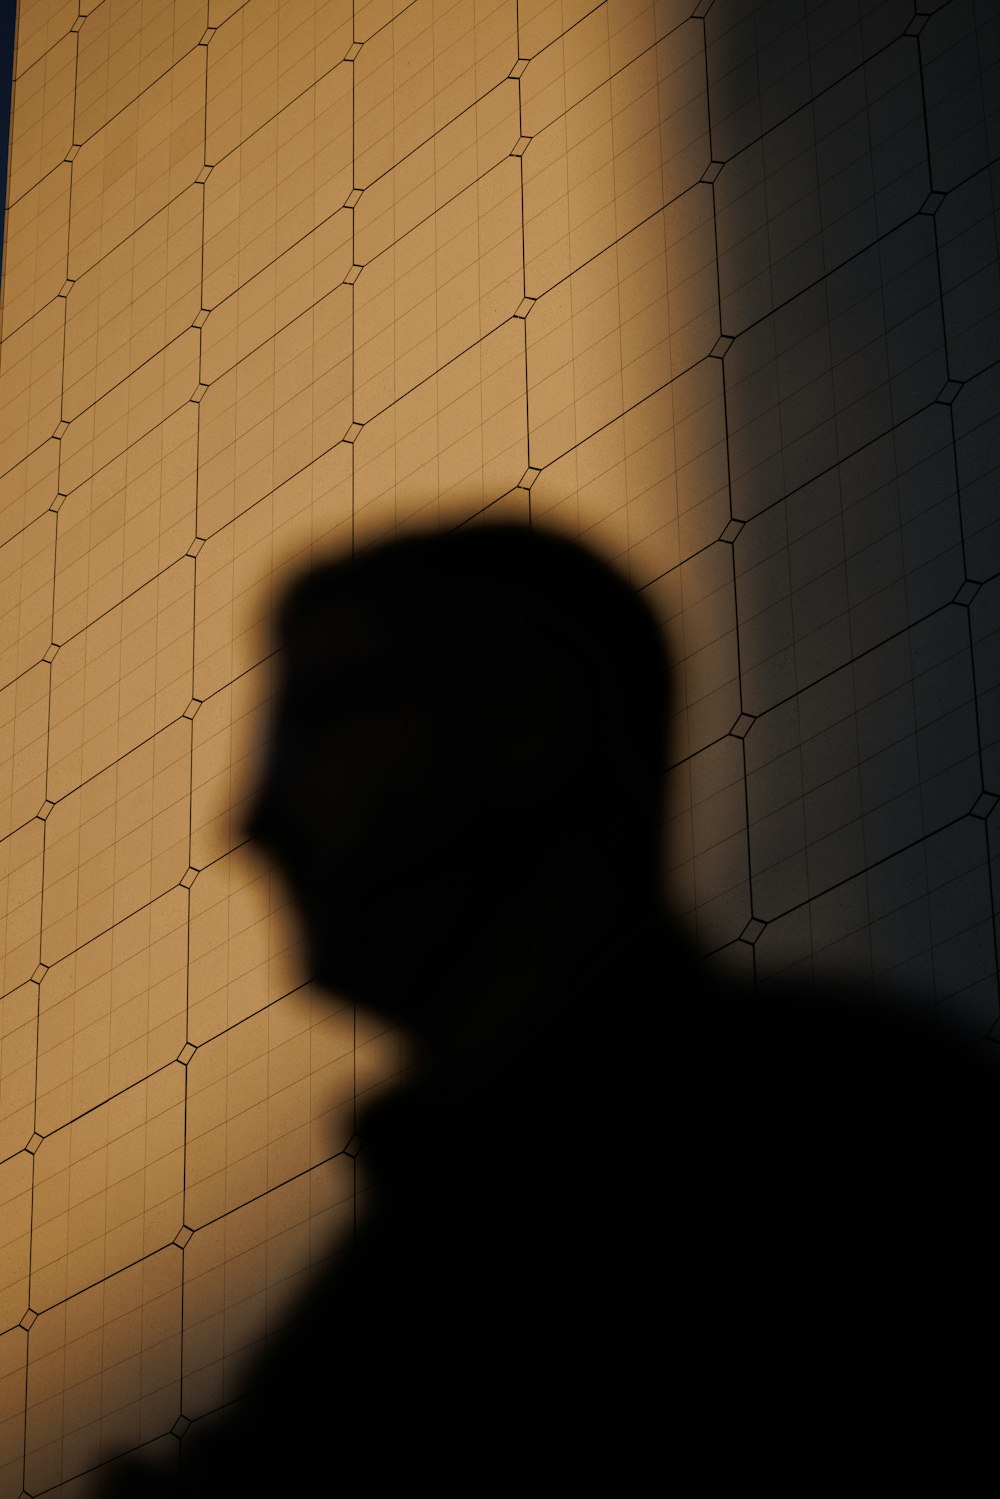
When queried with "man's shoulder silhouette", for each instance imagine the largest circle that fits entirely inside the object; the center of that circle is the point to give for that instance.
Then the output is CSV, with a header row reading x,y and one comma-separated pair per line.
x,y
747,1225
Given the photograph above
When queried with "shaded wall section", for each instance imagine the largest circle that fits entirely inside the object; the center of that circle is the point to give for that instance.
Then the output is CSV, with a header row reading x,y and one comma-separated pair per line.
x,y
713,287
859,284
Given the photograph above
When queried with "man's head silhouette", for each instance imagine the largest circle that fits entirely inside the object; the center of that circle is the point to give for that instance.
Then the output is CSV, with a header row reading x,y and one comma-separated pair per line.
x,y
466,760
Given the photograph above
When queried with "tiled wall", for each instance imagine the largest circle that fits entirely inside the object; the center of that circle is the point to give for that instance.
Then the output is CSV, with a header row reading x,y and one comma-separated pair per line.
x,y
859,280
714,286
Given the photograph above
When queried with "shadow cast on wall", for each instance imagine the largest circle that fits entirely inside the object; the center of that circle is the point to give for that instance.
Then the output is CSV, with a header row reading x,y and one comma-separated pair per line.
x,y
626,1217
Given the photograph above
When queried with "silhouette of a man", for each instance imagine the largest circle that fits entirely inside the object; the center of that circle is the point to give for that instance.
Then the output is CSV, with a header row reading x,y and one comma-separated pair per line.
x,y
628,1223
465,782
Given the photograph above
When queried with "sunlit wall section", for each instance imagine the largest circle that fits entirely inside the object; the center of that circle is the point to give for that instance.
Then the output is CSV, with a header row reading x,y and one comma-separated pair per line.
x,y
282,279
97,496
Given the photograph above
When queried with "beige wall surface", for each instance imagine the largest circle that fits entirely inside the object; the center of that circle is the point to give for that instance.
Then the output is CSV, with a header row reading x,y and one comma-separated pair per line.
x,y
286,277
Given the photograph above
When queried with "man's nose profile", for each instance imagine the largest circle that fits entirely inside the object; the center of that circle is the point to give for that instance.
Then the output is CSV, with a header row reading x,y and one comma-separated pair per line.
x,y
628,1218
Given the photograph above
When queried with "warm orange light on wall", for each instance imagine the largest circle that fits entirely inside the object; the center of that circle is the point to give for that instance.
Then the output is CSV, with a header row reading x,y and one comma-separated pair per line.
x,y
280,280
